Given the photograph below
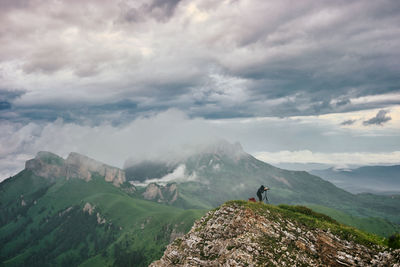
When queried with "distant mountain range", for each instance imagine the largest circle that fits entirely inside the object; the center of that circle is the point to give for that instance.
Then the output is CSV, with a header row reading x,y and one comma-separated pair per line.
x,y
225,171
78,211
369,179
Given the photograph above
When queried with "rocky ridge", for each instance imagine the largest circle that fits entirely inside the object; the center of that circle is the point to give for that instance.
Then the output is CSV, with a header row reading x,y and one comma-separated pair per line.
x,y
51,166
255,234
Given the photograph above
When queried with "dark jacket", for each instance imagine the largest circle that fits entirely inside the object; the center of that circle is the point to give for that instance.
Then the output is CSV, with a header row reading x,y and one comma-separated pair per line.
x,y
261,190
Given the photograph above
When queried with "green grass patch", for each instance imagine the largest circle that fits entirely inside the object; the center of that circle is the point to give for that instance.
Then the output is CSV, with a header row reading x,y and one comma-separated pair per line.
x,y
308,212
394,241
313,220
378,226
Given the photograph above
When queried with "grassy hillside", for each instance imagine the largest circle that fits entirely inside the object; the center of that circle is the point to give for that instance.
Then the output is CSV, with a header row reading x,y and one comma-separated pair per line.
x,y
52,227
377,226
221,177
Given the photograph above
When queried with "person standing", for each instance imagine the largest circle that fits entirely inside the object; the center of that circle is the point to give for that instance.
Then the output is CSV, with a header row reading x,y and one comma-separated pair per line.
x,y
260,191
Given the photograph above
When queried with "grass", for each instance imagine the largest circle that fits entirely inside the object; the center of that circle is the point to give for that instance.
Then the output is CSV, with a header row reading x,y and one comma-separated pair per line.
x,y
140,229
377,226
51,158
313,220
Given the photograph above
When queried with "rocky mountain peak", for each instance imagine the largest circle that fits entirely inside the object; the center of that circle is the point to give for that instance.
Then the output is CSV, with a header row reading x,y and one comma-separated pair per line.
x,y
254,234
46,164
52,166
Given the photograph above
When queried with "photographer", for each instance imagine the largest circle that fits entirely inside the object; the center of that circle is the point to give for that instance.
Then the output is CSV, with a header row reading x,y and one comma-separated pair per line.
x,y
260,191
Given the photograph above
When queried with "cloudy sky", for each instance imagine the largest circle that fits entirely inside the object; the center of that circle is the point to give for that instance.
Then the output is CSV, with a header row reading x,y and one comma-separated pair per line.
x,y
292,81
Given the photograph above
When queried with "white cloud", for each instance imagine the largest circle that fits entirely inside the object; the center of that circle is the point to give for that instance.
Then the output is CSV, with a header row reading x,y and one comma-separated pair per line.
x,y
166,136
146,137
382,98
178,175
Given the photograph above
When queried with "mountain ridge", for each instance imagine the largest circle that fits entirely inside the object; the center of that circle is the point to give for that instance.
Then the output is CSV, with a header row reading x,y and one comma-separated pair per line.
x,y
131,223
70,220
50,165
254,234
212,177
209,179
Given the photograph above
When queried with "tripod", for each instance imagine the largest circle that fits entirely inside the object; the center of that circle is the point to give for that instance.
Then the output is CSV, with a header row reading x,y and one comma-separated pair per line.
x,y
265,197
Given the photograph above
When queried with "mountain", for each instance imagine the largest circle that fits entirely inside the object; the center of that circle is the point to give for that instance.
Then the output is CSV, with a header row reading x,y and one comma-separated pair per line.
x,y
79,211
219,173
242,233
369,179
51,166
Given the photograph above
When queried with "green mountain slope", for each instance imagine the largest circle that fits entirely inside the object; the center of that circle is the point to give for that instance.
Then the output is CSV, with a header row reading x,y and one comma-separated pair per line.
x,y
77,211
226,172
377,226
66,222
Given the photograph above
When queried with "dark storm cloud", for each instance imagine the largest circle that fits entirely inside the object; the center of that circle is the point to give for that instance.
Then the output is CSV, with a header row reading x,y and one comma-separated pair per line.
x,y
272,58
13,4
379,119
5,105
348,122
163,9
160,10
343,102
7,96
116,113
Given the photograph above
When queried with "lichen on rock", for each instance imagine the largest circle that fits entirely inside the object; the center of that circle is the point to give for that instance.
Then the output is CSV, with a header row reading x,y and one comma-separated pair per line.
x,y
236,235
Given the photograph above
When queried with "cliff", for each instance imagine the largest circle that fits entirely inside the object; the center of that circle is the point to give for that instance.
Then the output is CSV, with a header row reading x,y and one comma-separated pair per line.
x,y
160,193
51,166
254,234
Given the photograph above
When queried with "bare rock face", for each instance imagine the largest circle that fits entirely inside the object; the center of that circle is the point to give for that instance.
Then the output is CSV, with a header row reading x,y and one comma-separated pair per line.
x,y
46,164
162,194
152,192
235,235
51,166
80,166
88,208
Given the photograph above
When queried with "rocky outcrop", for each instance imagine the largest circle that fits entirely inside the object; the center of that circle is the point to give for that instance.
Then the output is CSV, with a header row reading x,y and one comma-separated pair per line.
x,y
88,208
236,235
80,166
47,165
51,166
153,192
160,193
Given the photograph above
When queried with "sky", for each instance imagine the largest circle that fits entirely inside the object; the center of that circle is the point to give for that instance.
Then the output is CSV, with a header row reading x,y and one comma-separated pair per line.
x,y
293,81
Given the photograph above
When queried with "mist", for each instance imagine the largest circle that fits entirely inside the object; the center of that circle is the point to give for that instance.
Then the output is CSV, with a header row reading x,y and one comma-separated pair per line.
x,y
172,135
